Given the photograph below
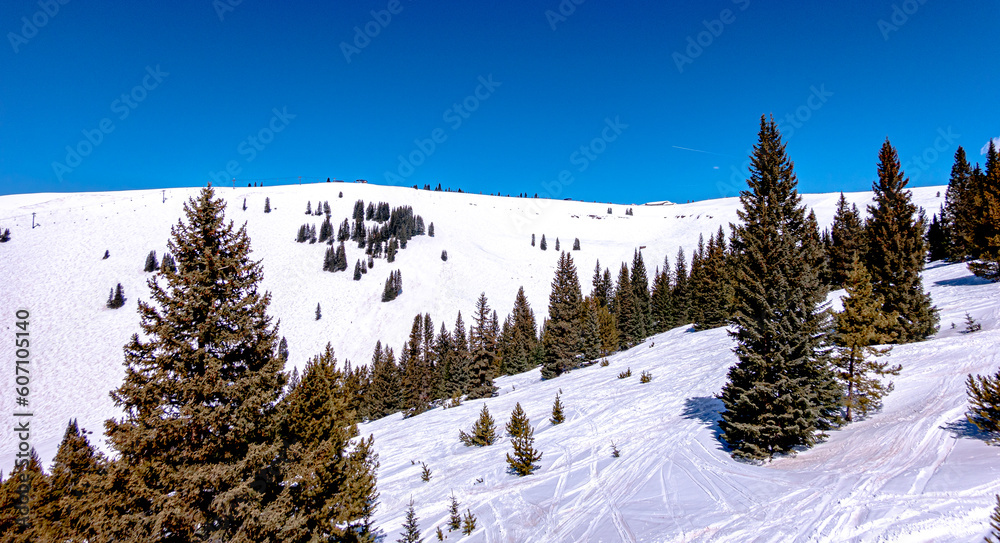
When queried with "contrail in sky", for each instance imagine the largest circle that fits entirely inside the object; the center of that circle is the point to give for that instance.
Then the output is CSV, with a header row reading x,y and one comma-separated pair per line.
x,y
699,151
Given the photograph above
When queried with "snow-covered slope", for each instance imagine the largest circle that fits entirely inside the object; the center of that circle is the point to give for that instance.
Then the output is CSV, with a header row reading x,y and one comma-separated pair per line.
x,y
901,475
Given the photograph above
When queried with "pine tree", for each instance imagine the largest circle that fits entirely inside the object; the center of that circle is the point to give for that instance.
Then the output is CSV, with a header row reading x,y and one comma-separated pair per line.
x,y
524,461
576,244
454,518
640,286
532,240
309,210
714,291
215,391
601,289
557,244
283,349
458,369
986,240
116,298
984,404
267,205
325,230
590,329
994,536
340,259
782,391
937,240
18,497
608,330
896,254
168,265
960,206
542,245
484,432
680,293
411,528
468,523
107,253
661,301
384,390
319,313
330,259
558,417
430,230
151,263
562,335
483,347
847,241
64,506
357,270
858,329
244,204
630,330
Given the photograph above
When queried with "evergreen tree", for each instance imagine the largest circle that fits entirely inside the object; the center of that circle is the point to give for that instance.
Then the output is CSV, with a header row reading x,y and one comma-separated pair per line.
x,y
107,253
151,263
444,255
308,208
340,259
608,330
524,461
661,301
468,523
326,487
168,265
267,205
590,329
714,291
601,288
640,286
357,270
576,244
64,506
215,392
532,240
562,335
116,298
680,293
896,252
411,528
984,403
430,230
384,390
283,349
782,391
937,240
484,432
325,230
994,536
986,239
696,282
330,259
558,417
319,313
960,206
18,500
458,370
483,347
630,330
542,245
557,244
847,241
454,518
858,329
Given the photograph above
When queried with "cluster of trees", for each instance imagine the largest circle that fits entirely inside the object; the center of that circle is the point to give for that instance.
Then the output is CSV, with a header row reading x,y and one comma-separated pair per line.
x,y
393,285
223,450
116,298
5,235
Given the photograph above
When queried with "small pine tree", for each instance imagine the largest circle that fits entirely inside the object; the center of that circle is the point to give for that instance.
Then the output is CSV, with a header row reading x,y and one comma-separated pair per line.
x,y
645,377
986,232
542,245
117,297
357,270
468,523
971,325
454,517
557,244
532,240
558,417
267,204
430,230
319,314
984,404
994,536
615,453
439,533
425,473
444,255
151,263
169,265
411,528
576,244
524,461
483,432
107,254
244,204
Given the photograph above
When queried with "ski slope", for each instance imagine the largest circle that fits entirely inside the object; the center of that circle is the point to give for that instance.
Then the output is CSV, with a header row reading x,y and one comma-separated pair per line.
x,y
913,472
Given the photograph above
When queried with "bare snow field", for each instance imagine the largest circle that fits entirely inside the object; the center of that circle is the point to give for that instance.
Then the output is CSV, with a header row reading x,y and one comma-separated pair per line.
x,y
915,471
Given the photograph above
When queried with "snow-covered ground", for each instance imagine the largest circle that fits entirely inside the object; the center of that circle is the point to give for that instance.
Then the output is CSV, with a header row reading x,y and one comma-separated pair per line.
x,y
913,472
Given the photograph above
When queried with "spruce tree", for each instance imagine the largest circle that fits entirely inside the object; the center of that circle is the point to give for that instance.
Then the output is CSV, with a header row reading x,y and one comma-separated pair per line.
x,y
781,393
608,331
590,329
984,403
168,265
630,330
411,528
458,370
986,239
64,507
640,286
340,259
558,417
661,301
532,240
542,245
483,347
847,241
468,523
151,263
430,230
895,255
384,389
215,392
576,244
308,208
680,293
994,536
714,292
960,205
557,244
19,516
454,517
319,313
562,337
525,458
267,204
601,289
357,270
858,330
937,239
484,431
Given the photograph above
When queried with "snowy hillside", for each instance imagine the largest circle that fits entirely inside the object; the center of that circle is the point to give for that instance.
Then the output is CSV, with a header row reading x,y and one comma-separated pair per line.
x,y
915,471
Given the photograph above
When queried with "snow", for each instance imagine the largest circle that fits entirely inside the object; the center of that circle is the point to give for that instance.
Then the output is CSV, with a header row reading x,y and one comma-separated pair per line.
x,y
915,471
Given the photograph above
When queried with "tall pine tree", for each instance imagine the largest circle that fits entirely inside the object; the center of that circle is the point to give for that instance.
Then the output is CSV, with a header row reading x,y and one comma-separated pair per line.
x,y
562,334
781,393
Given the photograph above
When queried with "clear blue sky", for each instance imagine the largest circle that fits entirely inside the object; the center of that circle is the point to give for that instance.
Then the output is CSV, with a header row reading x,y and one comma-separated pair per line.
x,y
184,90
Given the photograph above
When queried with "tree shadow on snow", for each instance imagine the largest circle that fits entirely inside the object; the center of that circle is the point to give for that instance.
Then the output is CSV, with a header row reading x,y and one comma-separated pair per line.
x,y
967,281
962,428
707,409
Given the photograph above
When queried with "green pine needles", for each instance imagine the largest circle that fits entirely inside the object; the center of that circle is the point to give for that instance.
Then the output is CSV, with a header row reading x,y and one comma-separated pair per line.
x,y
484,432
526,457
558,417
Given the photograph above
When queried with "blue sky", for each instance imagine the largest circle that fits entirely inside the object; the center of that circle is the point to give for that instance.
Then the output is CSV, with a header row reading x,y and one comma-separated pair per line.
x,y
585,99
